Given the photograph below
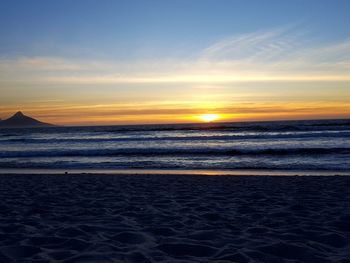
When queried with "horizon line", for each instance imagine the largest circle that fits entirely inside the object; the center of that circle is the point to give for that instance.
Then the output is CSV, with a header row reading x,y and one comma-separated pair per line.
x,y
181,123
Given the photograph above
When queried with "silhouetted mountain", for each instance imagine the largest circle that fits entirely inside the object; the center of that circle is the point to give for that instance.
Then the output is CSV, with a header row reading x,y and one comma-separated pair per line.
x,y
19,120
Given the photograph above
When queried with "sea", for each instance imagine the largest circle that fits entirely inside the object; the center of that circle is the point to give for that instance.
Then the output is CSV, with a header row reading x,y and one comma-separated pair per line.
x,y
312,145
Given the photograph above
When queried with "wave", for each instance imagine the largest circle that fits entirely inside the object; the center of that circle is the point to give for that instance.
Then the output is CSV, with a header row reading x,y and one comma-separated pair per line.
x,y
286,165
303,125
271,145
242,136
174,152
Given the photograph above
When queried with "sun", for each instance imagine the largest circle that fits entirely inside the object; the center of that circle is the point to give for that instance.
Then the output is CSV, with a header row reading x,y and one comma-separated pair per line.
x,y
209,117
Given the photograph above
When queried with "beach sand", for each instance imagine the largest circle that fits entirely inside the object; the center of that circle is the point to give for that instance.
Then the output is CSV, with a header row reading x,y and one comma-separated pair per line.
x,y
174,218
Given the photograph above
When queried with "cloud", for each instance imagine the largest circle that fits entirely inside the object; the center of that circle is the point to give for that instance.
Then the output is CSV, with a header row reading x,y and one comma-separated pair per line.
x,y
265,45
276,55
248,76
280,53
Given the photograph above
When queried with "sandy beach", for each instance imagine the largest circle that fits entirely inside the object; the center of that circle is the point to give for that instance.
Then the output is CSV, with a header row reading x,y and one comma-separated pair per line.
x,y
174,218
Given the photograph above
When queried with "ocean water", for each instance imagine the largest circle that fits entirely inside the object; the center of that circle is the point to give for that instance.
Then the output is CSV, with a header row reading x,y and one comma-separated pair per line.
x,y
284,145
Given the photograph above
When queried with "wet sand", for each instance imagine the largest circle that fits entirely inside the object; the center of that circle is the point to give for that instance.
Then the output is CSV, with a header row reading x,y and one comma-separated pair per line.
x,y
174,218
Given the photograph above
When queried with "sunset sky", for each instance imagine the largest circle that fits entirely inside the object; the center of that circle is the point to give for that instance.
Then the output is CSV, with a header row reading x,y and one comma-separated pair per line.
x,y
126,62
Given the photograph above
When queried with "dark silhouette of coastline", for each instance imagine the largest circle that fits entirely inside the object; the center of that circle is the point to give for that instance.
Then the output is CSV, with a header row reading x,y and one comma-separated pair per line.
x,y
19,120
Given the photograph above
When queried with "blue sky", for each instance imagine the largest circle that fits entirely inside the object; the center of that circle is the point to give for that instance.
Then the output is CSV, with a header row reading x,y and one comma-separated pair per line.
x,y
143,61
126,29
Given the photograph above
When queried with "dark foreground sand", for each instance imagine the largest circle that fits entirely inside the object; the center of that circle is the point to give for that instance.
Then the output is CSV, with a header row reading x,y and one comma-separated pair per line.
x,y
160,218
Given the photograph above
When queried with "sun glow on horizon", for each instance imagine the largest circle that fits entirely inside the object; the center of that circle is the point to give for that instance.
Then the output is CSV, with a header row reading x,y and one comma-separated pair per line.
x,y
209,117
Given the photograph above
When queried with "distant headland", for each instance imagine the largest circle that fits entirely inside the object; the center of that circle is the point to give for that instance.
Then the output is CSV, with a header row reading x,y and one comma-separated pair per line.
x,y
19,120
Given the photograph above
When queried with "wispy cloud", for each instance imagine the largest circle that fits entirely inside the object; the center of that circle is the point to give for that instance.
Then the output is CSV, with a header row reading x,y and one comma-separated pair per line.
x,y
275,55
263,46
282,54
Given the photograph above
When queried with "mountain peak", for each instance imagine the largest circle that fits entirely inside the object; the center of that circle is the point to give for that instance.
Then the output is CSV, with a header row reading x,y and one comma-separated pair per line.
x,y
20,120
18,114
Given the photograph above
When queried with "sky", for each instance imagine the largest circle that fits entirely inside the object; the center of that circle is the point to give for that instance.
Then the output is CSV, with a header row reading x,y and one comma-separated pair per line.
x,y
100,62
